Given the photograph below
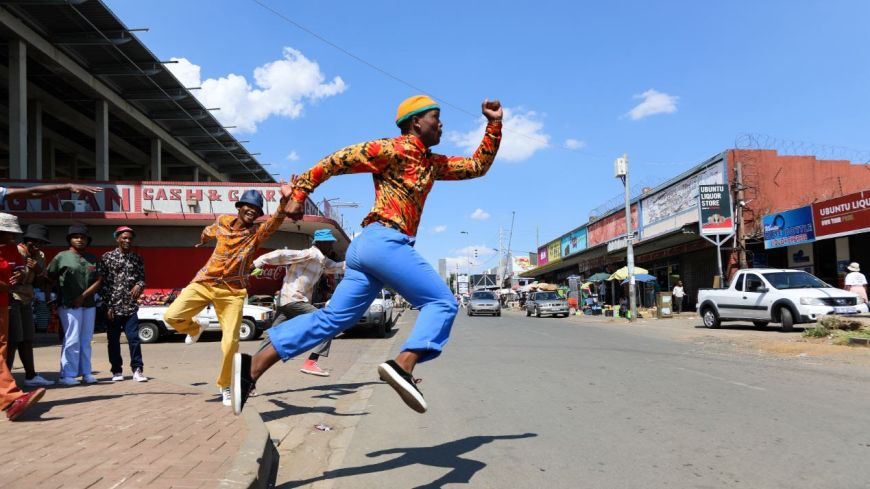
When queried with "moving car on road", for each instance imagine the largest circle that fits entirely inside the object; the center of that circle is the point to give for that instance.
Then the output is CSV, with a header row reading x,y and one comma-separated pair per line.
x,y
546,304
484,302
769,295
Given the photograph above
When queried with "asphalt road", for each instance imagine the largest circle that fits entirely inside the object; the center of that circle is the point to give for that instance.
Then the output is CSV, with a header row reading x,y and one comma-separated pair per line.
x,y
520,402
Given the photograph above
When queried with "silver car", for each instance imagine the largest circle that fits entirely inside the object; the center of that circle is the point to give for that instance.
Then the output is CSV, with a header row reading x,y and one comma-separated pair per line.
x,y
484,302
546,304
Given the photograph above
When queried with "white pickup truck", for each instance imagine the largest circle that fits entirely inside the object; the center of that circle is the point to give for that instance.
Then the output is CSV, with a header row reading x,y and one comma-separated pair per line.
x,y
769,295
255,320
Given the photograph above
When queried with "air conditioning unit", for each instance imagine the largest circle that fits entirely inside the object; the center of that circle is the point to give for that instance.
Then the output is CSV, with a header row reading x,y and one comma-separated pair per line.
x,y
73,206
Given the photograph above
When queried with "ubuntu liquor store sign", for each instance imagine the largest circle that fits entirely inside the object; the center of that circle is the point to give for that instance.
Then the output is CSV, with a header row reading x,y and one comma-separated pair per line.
x,y
149,197
842,216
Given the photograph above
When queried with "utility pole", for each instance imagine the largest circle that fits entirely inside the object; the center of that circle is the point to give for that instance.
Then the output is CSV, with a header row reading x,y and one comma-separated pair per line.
x,y
620,167
741,231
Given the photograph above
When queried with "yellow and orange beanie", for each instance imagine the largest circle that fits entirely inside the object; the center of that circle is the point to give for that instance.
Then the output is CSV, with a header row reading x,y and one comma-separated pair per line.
x,y
413,106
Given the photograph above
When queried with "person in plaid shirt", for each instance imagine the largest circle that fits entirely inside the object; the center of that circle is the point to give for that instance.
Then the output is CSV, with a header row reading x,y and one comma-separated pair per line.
x,y
123,273
224,278
404,169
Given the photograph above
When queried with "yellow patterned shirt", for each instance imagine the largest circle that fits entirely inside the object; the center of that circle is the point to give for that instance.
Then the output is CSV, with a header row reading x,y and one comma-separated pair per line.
x,y
403,170
230,262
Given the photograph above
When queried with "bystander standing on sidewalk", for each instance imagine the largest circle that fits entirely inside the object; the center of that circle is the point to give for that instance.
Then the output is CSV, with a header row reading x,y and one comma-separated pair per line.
x,y
855,281
303,269
123,274
21,321
223,280
679,294
12,399
75,271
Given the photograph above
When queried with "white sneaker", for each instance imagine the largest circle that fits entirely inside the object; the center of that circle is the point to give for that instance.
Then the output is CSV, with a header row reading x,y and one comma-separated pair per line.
x,y
90,379
227,398
138,376
37,381
117,377
189,340
68,381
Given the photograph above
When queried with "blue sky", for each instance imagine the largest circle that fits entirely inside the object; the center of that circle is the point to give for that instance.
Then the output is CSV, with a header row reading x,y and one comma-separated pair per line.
x,y
670,83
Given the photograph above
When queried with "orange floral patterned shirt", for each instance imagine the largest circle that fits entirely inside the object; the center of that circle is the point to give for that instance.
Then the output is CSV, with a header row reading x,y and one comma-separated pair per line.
x,y
403,170
230,262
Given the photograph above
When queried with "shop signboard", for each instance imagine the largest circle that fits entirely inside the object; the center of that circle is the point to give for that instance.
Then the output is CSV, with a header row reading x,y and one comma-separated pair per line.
x,y
520,264
842,216
543,256
673,207
714,205
787,228
114,197
574,242
554,250
151,198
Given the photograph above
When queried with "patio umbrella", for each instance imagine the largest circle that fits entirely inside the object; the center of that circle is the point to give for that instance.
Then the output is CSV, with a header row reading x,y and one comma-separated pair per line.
x,y
585,285
642,277
622,273
598,277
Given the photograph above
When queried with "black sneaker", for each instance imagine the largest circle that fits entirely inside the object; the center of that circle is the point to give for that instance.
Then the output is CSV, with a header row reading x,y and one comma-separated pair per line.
x,y
404,384
242,383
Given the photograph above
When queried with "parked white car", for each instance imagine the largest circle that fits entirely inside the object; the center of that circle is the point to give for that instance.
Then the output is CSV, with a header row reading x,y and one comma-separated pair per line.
x,y
255,320
769,295
379,316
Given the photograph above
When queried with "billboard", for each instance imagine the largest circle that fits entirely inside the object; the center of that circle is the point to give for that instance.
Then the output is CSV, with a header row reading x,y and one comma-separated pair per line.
x,y
554,250
520,264
673,207
543,256
842,216
787,228
574,242
714,207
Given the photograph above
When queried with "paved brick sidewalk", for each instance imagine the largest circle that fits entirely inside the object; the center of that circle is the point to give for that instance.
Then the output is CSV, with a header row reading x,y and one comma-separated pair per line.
x,y
123,435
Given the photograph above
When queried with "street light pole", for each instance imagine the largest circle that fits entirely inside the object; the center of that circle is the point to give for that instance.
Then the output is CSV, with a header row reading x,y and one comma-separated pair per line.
x,y
621,171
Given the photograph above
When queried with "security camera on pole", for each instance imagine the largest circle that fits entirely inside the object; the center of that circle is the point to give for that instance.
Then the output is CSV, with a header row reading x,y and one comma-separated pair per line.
x,y
620,170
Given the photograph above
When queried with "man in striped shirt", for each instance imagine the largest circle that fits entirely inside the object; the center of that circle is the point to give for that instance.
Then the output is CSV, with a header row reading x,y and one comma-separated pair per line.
x,y
303,269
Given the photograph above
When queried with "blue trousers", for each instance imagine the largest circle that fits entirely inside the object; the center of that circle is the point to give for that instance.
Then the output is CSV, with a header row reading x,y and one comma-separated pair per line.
x,y
378,257
130,326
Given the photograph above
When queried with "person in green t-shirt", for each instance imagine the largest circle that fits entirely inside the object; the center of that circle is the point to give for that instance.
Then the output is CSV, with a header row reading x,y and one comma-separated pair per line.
x,y
75,272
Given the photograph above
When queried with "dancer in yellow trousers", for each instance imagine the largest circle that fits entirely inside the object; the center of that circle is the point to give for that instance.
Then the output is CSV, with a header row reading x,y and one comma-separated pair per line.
x,y
223,279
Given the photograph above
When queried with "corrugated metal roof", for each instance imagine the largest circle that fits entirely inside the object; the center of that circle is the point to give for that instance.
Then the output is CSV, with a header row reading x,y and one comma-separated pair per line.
x,y
90,33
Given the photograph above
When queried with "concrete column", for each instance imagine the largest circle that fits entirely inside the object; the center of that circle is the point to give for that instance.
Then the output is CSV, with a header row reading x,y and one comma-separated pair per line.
x,y
34,140
196,174
156,160
101,152
17,109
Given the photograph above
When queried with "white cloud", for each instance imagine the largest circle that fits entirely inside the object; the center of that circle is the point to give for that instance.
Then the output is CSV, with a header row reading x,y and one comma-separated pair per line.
x,y
439,228
465,256
479,214
280,88
293,156
654,102
574,144
522,135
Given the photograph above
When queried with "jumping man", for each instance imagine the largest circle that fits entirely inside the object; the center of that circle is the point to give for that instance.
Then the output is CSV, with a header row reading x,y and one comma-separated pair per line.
x,y
223,279
403,169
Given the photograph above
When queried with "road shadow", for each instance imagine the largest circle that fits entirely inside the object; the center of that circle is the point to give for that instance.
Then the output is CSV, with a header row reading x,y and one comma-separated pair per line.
x,y
447,455
330,391
285,410
751,327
